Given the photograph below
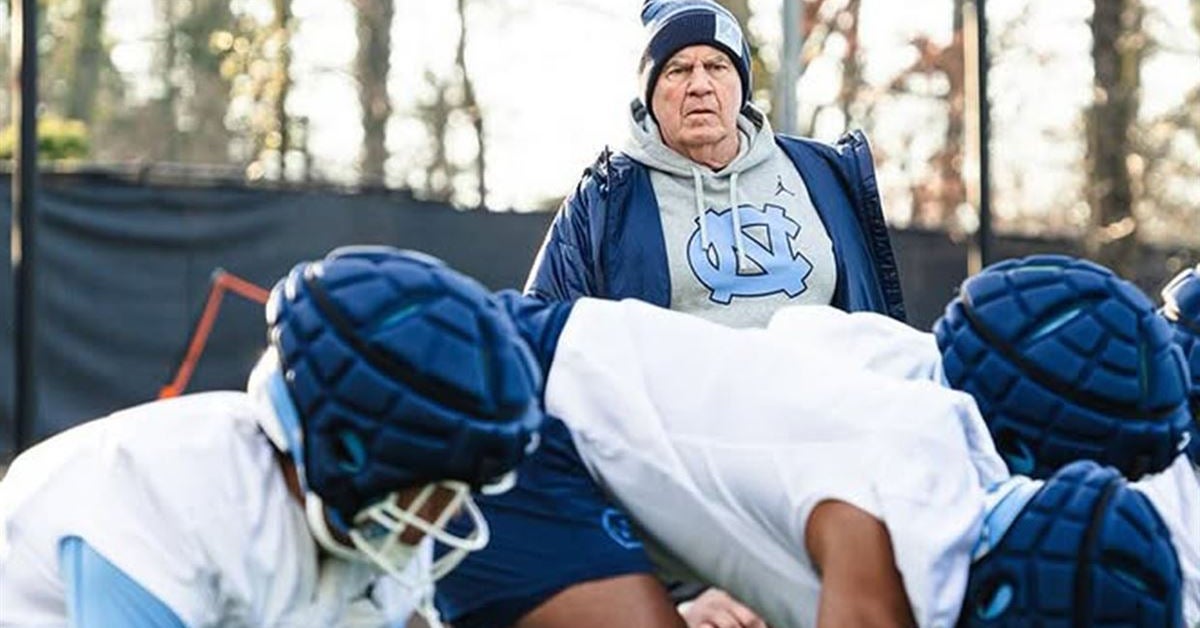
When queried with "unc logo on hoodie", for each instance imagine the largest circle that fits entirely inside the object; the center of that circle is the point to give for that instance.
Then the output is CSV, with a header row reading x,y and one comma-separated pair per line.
x,y
767,263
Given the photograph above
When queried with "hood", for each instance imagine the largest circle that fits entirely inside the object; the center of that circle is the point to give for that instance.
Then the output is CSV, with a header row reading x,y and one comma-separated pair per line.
x,y
756,146
645,144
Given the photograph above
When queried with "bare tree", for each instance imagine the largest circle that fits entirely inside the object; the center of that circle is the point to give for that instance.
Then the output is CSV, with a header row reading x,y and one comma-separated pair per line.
x,y
852,65
1118,48
936,197
1166,165
77,78
448,105
283,30
764,78
436,180
372,66
827,21
168,103
256,66
186,122
470,105
84,81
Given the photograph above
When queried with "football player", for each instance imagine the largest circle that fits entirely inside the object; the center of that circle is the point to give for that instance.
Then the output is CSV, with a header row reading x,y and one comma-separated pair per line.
x,y
364,428
820,483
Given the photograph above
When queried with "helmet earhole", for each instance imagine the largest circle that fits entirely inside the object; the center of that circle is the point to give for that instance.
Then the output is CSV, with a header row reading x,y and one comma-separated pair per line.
x,y
1131,572
1016,453
350,452
993,599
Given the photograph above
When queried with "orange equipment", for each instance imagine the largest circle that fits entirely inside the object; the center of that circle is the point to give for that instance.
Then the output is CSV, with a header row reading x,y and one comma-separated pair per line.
x,y
222,282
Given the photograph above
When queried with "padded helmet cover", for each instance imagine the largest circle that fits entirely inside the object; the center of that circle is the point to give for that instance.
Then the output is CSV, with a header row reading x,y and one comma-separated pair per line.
x,y
403,371
1087,550
1066,361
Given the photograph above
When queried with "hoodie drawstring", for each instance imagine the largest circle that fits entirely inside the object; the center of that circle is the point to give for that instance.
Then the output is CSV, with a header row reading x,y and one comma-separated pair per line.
x,y
738,237
698,183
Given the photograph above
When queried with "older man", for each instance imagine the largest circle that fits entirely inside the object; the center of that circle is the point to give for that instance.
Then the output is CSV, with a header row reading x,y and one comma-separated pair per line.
x,y
707,210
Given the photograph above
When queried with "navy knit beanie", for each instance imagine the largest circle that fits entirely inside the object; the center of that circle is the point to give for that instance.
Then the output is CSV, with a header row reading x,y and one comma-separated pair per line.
x,y
673,25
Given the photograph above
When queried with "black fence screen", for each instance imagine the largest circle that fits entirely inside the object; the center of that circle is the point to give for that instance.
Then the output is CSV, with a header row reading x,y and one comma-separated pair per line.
x,y
124,269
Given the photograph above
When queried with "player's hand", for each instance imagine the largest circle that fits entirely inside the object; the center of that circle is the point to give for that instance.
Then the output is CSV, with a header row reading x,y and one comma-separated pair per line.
x,y
716,609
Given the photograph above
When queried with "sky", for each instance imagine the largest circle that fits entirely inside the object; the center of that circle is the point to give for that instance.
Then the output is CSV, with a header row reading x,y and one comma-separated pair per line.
x,y
555,79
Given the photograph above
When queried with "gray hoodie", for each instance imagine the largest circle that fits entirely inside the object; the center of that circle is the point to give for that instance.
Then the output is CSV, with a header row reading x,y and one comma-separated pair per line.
x,y
773,251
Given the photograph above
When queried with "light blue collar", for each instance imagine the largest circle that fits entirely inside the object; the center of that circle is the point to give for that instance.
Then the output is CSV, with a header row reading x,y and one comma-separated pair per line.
x,y
1004,503
289,418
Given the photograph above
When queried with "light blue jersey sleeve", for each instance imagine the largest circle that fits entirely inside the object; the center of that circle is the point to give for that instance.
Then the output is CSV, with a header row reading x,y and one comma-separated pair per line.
x,y
100,594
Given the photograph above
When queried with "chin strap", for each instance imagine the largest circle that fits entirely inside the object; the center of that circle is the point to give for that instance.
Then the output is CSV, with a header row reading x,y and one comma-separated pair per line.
x,y
1002,505
318,524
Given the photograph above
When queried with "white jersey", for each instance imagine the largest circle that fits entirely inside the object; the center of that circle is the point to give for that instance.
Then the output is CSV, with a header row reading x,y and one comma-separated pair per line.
x,y
184,496
888,346
720,449
1175,493
872,341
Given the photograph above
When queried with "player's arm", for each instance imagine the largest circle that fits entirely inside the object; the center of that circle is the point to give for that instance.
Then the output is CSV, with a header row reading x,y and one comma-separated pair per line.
x,y
860,584
99,594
